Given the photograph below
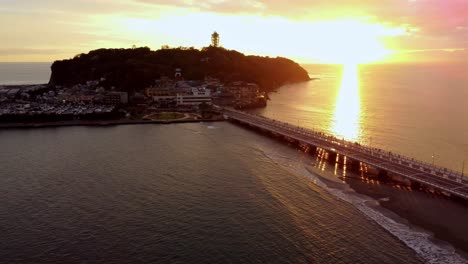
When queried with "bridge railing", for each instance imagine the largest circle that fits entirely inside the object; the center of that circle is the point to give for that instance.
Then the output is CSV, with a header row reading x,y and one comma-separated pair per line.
x,y
380,153
416,164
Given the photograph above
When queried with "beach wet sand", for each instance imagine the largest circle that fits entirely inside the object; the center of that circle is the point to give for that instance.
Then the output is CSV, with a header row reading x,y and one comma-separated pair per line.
x,y
445,218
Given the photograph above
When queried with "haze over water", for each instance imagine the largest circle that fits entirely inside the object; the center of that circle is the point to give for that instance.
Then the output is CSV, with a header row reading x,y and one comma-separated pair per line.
x,y
24,73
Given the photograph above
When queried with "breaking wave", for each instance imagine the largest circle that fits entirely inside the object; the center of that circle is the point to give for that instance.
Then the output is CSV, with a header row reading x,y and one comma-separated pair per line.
x,y
418,240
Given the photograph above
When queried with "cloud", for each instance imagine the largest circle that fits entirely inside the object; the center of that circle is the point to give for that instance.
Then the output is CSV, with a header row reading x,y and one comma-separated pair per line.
x,y
431,24
42,26
441,15
431,15
217,6
431,55
293,8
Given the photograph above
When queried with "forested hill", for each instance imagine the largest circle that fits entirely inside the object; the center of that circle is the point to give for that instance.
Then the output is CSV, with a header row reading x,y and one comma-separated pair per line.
x,y
134,69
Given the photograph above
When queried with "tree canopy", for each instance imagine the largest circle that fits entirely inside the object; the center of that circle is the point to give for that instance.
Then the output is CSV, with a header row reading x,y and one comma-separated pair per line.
x,y
135,69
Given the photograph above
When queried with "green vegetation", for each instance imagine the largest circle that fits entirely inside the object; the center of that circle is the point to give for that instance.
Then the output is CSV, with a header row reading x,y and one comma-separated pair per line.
x,y
134,69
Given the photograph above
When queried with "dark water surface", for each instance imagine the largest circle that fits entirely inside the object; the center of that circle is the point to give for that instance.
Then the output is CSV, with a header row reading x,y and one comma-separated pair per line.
x,y
217,194
188,193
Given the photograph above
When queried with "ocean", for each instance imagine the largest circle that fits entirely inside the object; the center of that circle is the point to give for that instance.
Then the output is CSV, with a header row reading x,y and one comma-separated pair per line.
x,y
205,192
188,193
415,110
24,73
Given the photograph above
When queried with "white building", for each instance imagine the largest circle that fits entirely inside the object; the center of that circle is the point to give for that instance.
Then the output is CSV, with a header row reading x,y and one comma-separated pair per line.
x,y
198,96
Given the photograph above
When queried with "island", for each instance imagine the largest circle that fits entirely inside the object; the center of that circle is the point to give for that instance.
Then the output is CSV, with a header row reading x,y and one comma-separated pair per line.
x,y
139,85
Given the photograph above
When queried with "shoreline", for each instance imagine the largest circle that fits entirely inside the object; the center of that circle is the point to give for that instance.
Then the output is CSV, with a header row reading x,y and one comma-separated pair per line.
x,y
415,210
386,197
103,123
397,202
412,207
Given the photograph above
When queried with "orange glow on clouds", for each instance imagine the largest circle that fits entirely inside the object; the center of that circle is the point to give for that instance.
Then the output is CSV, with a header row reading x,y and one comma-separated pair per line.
x,y
352,32
342,41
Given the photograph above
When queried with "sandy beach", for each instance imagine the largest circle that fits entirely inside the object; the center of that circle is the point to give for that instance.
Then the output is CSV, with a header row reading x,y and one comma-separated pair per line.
x,y
439,215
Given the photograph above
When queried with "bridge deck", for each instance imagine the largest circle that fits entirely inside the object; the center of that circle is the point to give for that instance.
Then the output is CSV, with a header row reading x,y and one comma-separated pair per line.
x,y
437,177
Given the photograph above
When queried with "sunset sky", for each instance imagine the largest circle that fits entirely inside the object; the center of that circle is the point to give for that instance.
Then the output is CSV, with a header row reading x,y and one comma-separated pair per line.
x,y
327,31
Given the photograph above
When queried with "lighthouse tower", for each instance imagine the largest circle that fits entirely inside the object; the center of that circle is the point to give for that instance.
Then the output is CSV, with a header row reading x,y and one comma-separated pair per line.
x,y
215,39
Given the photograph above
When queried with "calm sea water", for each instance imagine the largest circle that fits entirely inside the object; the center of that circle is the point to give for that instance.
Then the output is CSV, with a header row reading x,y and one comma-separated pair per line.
x,y
24,73
188,193
184,193
416,110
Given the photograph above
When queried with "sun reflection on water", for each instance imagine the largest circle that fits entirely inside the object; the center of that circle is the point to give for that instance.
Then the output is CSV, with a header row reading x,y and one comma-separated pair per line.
x,y
346,119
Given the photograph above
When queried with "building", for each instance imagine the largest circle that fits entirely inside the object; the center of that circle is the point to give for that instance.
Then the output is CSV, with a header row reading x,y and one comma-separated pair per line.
x,y
211,80
13,92
150,92
197,97
3,92
249,90
75,98
243,91
178,74
115,98
165,101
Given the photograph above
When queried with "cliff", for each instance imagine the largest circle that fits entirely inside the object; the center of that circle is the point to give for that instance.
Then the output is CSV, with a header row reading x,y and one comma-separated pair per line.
x,y
134,69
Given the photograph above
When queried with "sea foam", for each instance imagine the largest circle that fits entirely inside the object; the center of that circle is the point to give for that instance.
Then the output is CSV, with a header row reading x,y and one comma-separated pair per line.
x,y
419,241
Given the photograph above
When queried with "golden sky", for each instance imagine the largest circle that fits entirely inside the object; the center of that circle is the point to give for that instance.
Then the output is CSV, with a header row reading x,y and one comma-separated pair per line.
x,y
326,31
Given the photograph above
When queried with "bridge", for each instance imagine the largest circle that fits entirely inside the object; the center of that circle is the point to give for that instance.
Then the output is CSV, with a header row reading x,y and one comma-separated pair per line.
x,y
418,172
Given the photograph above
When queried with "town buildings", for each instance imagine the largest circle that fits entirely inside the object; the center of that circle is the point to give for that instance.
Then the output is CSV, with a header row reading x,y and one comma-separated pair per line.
x,y
91,98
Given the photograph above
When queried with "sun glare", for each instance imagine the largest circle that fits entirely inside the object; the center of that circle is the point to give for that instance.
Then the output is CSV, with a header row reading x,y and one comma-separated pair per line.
x,y
346,123
352,42
341,41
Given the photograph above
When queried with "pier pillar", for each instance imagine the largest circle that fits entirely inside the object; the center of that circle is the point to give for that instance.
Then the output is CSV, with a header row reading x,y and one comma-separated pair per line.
x,y
292,141
383,175
312,149
416,185
296,143
340,159
317,151
353,165
332,157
